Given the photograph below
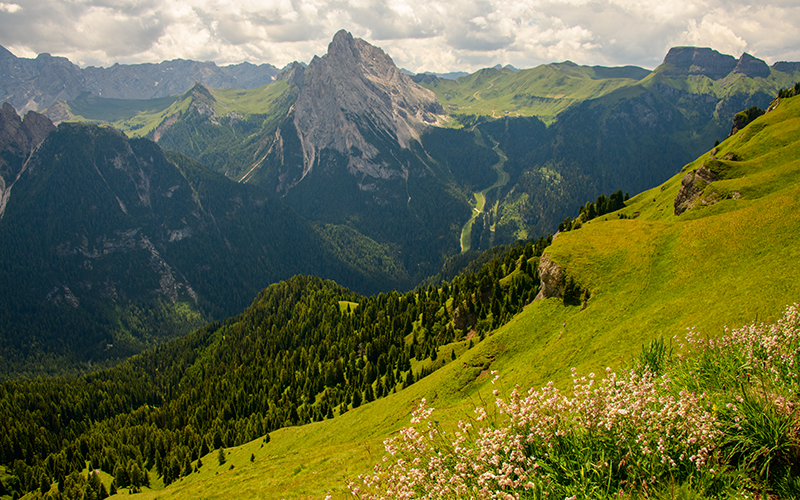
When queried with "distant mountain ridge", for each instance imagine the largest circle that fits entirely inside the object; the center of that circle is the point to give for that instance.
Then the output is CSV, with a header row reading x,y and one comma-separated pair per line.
x,y
710,63
34,84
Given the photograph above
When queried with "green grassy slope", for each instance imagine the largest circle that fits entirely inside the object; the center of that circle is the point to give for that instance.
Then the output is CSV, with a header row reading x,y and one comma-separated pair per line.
x,y
654,275
138,118
543,91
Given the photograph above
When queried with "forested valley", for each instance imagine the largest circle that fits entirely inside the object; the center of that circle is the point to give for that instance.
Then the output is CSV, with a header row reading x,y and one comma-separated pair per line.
x,y
307,349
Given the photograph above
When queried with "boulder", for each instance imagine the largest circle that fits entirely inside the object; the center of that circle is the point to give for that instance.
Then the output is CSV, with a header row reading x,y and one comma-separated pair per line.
x,y
551,276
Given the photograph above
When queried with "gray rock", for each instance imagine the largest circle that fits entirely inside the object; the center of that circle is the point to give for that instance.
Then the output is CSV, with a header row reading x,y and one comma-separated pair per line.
x,y
698,61
692,186
552,277
751,67
354,87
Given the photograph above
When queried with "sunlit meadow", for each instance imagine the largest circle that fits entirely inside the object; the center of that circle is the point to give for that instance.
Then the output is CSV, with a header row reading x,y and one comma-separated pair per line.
x,y
716,419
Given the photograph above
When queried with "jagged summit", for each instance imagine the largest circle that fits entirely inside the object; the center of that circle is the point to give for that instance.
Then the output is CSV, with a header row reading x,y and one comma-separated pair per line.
x,y
356,89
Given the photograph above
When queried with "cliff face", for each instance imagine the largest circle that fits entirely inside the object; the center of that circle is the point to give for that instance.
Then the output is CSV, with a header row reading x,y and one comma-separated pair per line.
x,y
18,139
698,61
710,63
751,67
352,96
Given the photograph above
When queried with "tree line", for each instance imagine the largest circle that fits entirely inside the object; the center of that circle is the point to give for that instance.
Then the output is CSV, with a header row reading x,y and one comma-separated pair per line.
x,y
604,205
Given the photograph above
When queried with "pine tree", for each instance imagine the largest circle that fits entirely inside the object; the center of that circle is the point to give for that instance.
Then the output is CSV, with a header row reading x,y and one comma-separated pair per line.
x,y
409,379
368,394
44,484
221,456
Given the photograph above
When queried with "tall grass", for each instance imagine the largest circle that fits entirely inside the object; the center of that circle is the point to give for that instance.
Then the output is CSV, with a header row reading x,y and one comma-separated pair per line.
x,y
719,422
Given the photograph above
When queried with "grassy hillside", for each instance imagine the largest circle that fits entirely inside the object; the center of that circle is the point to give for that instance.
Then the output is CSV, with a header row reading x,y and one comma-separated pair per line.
x,y
543,91
139,118
650,276
547,90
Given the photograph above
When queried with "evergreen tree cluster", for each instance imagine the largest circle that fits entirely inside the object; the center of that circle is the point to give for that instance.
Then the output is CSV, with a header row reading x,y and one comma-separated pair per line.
x,y
306,350
743,118
604,205
789,92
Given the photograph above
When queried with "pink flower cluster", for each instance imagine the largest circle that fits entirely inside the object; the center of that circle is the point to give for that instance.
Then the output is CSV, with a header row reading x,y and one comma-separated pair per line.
x,y
772,349
628,429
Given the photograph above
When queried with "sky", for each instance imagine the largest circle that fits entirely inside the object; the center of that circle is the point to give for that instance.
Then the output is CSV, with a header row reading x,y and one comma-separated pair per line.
x,y
419,35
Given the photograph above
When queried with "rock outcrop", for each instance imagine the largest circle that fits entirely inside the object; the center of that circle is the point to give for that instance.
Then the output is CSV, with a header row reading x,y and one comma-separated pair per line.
x,y
18,139
692,186
751,67
552,278
698,61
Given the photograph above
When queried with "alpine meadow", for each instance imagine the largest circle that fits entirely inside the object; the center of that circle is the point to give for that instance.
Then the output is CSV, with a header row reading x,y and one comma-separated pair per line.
x,y
341,279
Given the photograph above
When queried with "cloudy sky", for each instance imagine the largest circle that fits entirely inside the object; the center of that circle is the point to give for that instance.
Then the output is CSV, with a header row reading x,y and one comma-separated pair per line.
x,y
420,35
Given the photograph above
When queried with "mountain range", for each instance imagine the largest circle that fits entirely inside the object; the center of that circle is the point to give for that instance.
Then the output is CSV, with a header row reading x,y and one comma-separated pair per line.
x,y
567,133
34,84
345,168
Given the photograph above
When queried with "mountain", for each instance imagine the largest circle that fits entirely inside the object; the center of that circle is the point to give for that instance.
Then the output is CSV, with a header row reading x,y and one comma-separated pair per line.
x,y
353,91
631,135
111,245
35,84
544,91
339,140
645,275
452,75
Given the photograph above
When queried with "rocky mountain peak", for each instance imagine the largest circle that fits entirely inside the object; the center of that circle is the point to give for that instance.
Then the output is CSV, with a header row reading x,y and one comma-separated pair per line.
x,y
356,89
294,74
698,61
22,135
786,66
751,67
18,139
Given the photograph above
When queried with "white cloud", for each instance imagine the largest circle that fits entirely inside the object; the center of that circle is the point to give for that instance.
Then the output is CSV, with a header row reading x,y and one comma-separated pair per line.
x,y
435,35
711,33
10,7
